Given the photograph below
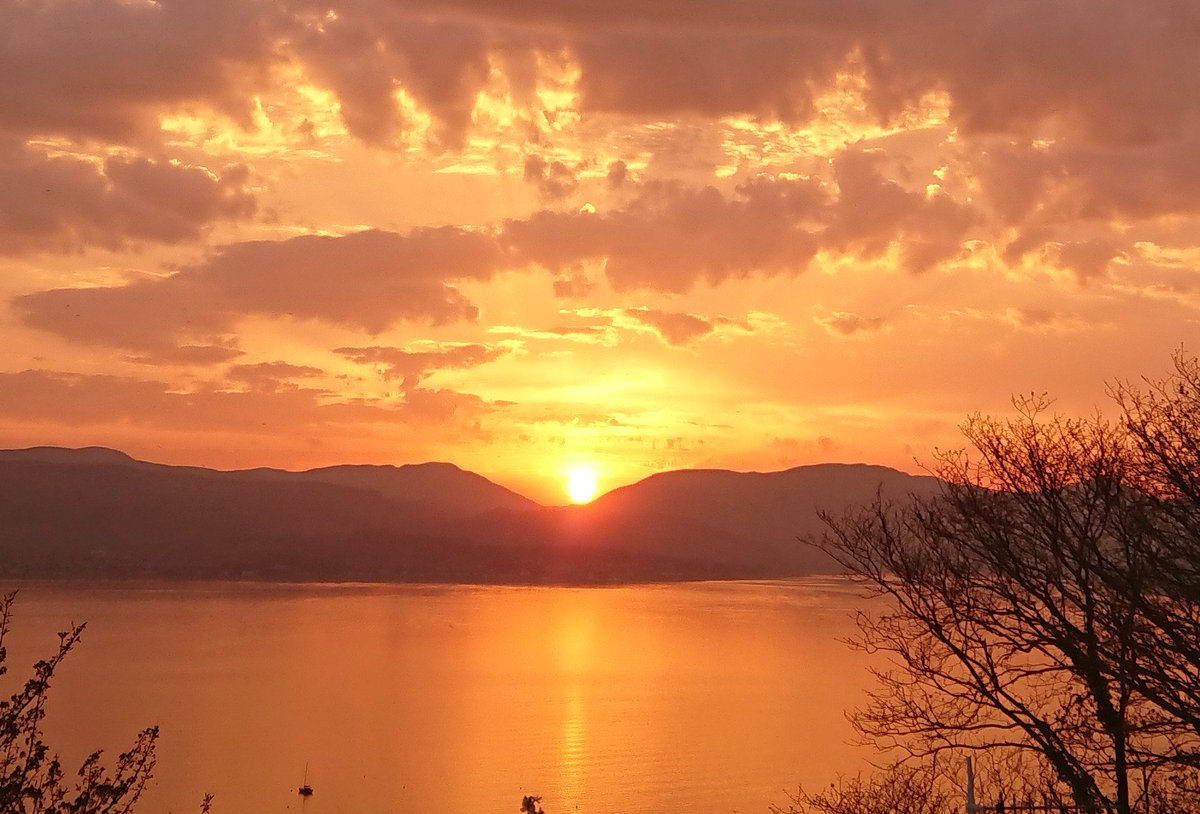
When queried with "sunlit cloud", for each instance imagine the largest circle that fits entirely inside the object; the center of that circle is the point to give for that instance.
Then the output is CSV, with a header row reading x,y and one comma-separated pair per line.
x,y
411,365
638,235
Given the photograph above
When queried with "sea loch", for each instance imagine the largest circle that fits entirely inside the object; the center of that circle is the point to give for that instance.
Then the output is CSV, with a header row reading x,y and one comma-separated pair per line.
x,y
697,697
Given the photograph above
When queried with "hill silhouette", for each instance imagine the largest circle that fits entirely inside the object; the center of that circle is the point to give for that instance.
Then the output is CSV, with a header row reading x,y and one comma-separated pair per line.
x,y
98,513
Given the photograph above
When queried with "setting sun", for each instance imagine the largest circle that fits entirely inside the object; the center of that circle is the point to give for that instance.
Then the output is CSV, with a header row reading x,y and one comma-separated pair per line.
x,y
581,484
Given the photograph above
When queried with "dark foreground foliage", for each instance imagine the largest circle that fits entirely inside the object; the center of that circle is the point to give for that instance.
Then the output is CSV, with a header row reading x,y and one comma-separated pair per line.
x,y
900,790
32,780
1044,605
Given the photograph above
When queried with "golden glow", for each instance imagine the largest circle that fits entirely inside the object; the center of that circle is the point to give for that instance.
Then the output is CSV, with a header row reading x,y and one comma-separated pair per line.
x,y
613,345
574,744
294,119
581,484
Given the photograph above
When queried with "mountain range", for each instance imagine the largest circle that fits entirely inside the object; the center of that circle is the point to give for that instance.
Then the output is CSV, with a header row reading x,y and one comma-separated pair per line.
x,y
99,513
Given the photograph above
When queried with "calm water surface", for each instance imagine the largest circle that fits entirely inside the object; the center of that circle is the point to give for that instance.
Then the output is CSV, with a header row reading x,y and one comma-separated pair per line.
x,y
702,697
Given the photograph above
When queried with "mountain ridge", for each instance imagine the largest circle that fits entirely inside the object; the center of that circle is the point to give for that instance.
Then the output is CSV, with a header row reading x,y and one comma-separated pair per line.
x,y
97,512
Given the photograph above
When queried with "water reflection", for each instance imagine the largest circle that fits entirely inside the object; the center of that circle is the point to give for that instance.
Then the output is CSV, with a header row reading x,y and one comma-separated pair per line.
x,y
573,643
699,698
572,758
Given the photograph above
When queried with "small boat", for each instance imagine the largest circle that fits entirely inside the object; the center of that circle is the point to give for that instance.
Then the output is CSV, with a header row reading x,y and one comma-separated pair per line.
x,y
305,790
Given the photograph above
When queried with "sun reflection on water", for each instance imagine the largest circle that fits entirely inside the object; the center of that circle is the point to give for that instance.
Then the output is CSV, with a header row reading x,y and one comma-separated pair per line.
x,y
573,755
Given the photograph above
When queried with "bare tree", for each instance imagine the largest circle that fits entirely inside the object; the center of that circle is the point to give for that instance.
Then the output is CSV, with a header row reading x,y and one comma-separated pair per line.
x,y
1163,419
32,780
896,790
1016,616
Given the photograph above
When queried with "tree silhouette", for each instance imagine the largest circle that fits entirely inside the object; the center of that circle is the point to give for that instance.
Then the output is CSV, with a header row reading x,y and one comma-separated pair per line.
x,y
1163,419
32,780
1047,600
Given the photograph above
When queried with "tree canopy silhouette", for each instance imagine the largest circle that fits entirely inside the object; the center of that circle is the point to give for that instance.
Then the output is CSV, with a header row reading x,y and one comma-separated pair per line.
x,y
1047,600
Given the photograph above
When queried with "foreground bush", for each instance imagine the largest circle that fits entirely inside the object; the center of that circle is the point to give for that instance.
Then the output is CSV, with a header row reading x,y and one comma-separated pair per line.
x,y
32,780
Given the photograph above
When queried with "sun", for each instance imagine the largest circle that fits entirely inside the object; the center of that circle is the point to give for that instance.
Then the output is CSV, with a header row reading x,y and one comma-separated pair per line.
x,y
581,484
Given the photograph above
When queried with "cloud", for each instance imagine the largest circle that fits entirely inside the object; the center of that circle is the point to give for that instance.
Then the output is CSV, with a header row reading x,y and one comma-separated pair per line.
x,y
669,237
675,328
618,174
573,283
659,73
367,280
82,399
64,204
202,355
271,376
1080,200
1045,320
1087,258
608,325
554,179
442,406
872,212
573,419
75,399
412,367
1070,113
603,334
1110,72
105,69
846,324
366,51
1105,72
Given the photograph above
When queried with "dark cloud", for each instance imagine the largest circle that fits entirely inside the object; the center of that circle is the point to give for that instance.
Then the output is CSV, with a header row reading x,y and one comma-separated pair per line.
x,y
872,212
1044,319
441,406
573,283
554,179
367,280
707,73
1087,258
846,324
272,376
618,174
84,400
107,69
412,367
1109,71
674,328
202,355
1086,110
367,50
80,400
65,204
1046,193
670,236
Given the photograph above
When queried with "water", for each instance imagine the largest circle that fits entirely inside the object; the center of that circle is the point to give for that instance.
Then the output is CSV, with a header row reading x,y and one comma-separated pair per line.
x,y
703,697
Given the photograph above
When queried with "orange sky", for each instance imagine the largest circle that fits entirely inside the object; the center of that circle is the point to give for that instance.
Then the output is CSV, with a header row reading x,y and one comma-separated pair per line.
x,y
529,237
